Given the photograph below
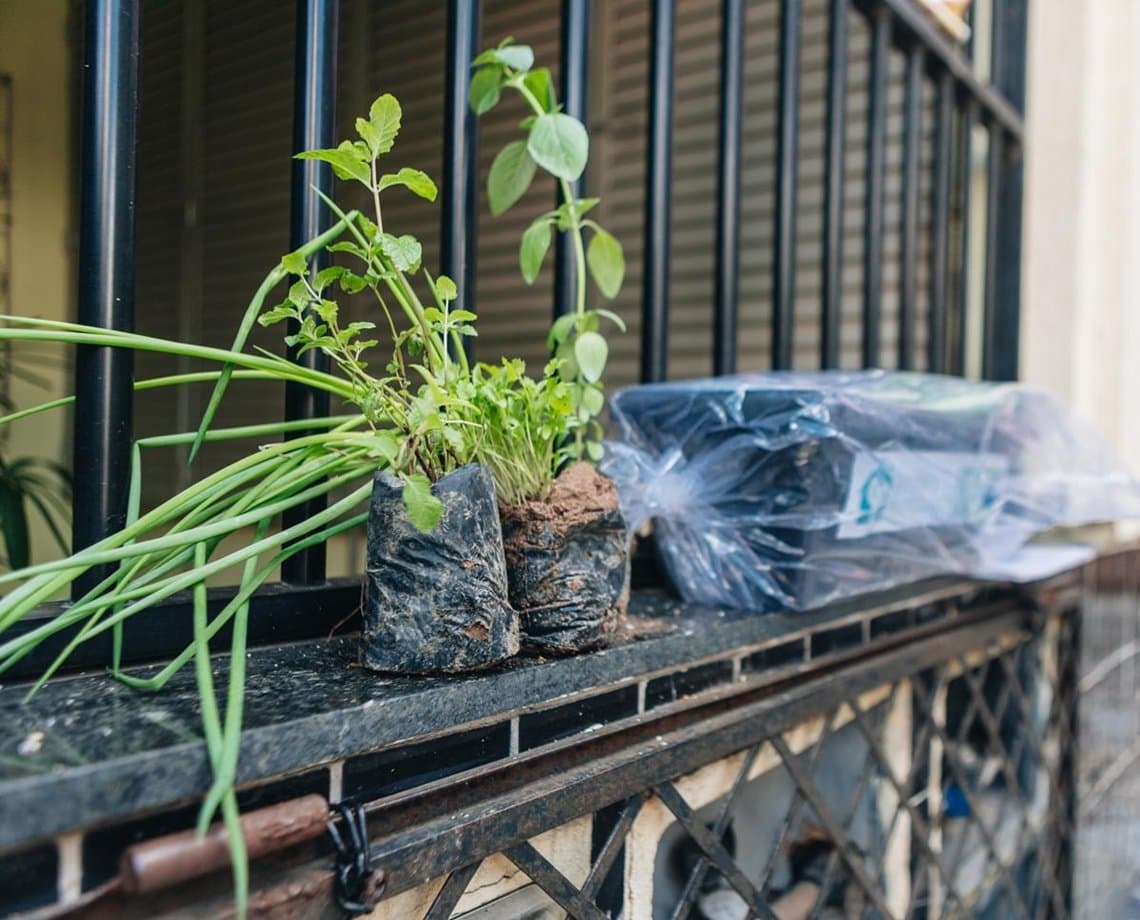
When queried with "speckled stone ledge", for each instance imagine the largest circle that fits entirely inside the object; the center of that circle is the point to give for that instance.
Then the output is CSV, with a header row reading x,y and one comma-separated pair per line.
x,y
87,751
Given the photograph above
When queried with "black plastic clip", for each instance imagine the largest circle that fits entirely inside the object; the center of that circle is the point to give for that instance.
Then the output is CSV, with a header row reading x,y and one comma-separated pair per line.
x,y
353,869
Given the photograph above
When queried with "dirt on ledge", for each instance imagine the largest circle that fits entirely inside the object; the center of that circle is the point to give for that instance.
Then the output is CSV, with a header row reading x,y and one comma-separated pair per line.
x,y
580,494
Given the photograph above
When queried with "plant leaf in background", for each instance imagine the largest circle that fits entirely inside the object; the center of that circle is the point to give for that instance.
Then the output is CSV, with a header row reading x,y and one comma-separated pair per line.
x,y
591,351
14,524
384,115
559,144
539,82
511,174
414,180
516,57
606,261
346,161
532,250
485,90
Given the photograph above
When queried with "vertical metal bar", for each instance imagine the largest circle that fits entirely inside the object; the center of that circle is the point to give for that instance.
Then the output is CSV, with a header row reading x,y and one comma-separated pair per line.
x,y
727,285
106,283
458,213
989,295
965,179
939,225
1010,25
833,185
574,63
784,254
876,168
658,182
908,248
192,171
314,125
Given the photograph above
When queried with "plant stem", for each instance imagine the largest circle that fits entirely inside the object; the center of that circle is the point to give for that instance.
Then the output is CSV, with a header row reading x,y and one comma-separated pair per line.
x,y
575,231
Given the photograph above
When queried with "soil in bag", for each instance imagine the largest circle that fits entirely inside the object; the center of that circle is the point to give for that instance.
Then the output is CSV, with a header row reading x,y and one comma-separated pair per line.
x,y
568,563
437,601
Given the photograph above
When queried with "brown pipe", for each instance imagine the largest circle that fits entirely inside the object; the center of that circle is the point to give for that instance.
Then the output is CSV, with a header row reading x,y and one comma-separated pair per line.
x,y
176,858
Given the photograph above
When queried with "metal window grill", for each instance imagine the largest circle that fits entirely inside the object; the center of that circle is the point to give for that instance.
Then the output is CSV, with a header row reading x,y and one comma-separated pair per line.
x,y
888,847
932,779
305,604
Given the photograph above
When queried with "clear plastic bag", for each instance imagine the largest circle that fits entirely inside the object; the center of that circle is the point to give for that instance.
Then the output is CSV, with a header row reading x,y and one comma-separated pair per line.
x,y
790,490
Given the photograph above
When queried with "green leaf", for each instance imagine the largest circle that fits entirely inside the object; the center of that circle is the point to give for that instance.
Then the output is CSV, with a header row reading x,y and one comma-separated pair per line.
x,y
584,205
415,181
612,317
606,261
594,450
299,294
570,209
510,176
352,283
14,526
593,400
463,316
484,57
539,82
327,310
295,263
346,161
278,313
327,276
385,118
445,288
559,144
532,251
559,330
486,87
591,351
357,251
516,57
369,134
404,251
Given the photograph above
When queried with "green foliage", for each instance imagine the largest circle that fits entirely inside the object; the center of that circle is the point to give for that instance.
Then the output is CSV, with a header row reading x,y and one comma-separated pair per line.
x,y
510,176
523,424
416,400
559,144
32,484
29,486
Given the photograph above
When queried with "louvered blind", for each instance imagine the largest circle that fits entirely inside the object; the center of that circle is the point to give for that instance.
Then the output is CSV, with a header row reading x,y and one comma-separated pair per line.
x,y
398,47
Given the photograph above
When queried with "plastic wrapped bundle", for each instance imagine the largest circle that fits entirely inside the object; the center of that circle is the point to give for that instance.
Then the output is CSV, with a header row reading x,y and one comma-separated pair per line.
x,y
786,490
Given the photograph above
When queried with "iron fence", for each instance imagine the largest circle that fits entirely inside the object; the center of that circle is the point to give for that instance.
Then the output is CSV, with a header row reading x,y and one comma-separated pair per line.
x,y
305,604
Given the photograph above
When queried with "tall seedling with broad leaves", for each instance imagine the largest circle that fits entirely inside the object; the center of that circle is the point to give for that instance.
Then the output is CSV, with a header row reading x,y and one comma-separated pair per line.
x,y
558,144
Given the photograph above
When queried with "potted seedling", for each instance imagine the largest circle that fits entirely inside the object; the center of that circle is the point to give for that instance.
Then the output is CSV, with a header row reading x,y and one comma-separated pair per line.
x,y
436,596
565,541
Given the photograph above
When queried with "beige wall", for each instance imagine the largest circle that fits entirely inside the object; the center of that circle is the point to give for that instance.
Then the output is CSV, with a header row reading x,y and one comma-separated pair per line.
x,y
1081,264
34,49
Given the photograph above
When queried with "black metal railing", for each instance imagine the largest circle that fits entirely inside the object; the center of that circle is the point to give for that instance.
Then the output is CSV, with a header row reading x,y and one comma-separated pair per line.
x,y
106,263
905,755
